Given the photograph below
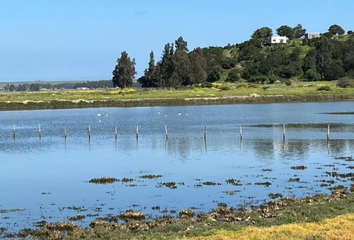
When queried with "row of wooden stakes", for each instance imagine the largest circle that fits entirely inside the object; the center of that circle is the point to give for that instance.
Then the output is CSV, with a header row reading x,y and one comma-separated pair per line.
x,y
137,132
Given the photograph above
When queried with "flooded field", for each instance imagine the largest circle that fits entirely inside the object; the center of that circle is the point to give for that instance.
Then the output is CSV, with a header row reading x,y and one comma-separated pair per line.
x,y
52,179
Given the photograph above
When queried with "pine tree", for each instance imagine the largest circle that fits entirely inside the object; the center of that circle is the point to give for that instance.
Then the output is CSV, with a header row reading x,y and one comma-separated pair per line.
x,y
124,71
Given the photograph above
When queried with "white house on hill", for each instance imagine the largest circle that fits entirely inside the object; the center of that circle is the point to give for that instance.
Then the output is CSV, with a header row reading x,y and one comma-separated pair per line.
x,y
312,35
276,39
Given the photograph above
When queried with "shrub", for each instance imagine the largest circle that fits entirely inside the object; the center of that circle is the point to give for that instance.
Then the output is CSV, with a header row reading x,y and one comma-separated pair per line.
x,y
324,88
242,85
206,85
253,85
257,79
224,87
214,74
233,76
345,83
287,83
312,75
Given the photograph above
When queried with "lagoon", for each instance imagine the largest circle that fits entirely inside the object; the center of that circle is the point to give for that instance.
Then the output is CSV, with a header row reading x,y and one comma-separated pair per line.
x,y
48,178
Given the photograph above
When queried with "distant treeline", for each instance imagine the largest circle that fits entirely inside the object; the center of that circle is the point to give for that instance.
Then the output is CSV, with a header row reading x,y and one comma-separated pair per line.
x,y
328,56
66,85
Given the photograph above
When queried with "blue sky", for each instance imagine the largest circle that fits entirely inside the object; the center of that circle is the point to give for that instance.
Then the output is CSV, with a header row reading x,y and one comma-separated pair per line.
x,y
82,39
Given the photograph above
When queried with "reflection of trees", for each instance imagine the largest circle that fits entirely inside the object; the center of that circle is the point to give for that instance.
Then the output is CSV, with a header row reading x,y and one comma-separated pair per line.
x,y
264,148
298,148
338,146
180,146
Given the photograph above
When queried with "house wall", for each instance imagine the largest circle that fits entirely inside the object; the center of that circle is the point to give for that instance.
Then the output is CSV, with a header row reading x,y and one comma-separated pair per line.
x,y
276,39
312,35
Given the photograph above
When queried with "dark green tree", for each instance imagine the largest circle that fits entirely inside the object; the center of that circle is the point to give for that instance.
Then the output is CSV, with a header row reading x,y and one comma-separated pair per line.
x,y
309,61
234,75
214,74
198,66
181,63
124,71
323,55
299,31
287,31
149,80
165,67
262,34
336,30
312,75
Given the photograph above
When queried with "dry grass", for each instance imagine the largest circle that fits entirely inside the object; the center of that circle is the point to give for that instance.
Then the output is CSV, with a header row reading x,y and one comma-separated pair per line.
x,y
341,227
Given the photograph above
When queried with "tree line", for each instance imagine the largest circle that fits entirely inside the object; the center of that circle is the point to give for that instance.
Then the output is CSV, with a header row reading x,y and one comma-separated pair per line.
x,y
67,85
328,57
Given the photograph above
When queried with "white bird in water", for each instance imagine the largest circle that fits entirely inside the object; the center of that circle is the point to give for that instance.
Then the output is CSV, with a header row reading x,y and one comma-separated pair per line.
x,y
187,114
158,112
179,114
165,115
99,114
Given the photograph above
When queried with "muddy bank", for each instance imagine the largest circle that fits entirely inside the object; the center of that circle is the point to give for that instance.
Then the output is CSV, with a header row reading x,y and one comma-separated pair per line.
x,y
140,102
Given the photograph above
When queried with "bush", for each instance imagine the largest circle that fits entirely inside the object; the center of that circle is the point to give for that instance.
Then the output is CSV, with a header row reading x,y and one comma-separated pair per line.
x,y
224,87
214,74
233,76
206,85
253,85
324,88
288,83
242,85
345,83
312,75
257,79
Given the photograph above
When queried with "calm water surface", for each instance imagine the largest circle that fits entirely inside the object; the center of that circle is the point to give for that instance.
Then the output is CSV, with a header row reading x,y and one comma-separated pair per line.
x,y
47,178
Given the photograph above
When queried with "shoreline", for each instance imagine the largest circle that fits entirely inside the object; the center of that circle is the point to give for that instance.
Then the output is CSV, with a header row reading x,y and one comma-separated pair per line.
x,y
136,225
148,102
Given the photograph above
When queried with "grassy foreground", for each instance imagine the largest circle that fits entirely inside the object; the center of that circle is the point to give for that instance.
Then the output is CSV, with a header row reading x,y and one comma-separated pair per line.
x,y
221,93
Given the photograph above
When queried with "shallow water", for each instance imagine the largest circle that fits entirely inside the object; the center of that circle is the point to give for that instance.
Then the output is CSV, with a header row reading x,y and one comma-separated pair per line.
x,y
47,178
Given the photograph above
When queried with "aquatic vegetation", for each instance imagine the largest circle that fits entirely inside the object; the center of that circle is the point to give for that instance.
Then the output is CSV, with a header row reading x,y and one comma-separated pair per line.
x,y
267,184
231,193
171,185
186,213
275,195
150,176
125,180
104,180
131,214
294,180
210,183
77,218
235,182
348,159
298,167
267,169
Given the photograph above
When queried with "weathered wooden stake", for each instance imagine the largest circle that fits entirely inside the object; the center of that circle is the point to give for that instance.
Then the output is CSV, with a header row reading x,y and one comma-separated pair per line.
x,y
205,131
39,131
166,133
240,132
283,132
328,133
64,132
89,132
137,131
115,133
14,132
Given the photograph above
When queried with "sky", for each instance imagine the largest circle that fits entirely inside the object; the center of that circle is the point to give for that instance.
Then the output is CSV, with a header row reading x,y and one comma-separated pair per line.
x,y
62,40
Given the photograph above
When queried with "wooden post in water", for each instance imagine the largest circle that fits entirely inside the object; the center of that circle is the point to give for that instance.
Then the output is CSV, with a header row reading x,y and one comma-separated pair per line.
x,y
166,133
328,133
89,132
64,132
241,133
39,131
115,133
283,132
205,131
137,132
14,132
